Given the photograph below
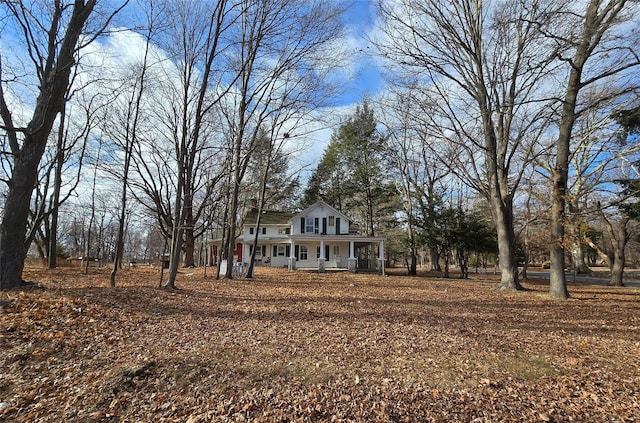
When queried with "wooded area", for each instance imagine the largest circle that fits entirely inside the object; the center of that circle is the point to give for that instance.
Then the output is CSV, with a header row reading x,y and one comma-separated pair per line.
x,y
136,131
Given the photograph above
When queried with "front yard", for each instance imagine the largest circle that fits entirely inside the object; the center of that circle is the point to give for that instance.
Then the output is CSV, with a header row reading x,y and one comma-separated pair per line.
x,y
303,346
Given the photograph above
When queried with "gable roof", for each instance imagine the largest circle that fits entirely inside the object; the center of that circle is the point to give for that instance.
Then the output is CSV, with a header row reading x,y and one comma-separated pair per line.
x,y
323,204
269,217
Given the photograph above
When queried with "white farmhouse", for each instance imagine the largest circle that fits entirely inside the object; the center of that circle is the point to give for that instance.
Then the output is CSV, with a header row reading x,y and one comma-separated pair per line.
x,y
319,237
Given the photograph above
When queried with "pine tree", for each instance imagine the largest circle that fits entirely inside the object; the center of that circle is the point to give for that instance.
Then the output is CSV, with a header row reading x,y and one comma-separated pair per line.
x,y
351,175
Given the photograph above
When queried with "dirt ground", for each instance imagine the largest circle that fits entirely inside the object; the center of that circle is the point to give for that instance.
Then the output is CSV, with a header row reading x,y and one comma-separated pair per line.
x,y
309,347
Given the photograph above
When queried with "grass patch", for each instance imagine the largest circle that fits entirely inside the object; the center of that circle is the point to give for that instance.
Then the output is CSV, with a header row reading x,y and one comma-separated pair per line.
x,y
528,367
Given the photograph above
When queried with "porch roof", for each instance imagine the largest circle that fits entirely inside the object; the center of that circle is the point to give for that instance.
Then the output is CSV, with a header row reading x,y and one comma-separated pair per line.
x,y
269,217
335,238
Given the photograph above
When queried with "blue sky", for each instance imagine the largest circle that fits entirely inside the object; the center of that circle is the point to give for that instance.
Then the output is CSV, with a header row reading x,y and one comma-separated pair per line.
x,y
360,19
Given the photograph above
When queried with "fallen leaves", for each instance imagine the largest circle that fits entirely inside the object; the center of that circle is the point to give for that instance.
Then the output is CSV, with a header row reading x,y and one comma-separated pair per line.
x,y
295,346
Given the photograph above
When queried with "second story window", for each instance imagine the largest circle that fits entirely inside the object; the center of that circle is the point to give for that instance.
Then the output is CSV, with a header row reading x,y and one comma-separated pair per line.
x,y
309,227
332,220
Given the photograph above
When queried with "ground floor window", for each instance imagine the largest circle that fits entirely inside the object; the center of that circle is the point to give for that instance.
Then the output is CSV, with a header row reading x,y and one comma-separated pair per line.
x,y
304,252
262,250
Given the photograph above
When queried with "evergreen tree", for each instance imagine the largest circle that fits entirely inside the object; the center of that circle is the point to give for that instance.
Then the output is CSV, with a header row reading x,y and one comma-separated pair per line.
x,y
351,175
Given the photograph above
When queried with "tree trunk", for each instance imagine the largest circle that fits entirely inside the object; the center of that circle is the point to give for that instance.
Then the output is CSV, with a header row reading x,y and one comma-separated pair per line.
x,y
14,221
617,270
434,259
223,242
55,197
189,248
579,258
189,224
233,211
503,216
412,269
252,259
413,262
557,277
619,238
176,236
445,257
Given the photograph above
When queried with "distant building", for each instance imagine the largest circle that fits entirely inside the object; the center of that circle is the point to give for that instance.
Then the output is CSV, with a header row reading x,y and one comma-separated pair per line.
x,y
319,237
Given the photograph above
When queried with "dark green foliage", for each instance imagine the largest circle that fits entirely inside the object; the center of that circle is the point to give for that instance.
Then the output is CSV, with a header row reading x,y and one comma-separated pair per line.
x,y
351,175
456,231
630,191
629,121
61,252
327,182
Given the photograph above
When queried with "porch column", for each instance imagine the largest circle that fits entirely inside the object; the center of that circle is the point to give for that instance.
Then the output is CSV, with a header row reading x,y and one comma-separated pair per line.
x,y
381,256
292,258
352,261
321,259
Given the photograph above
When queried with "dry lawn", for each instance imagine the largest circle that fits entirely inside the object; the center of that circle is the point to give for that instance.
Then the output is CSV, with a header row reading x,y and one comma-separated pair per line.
x,y
296,346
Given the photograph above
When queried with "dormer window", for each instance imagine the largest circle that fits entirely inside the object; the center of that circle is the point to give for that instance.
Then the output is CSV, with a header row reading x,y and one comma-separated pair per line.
x,y
309,225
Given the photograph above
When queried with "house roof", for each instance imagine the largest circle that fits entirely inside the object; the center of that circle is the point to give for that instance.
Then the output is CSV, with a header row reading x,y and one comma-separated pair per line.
x,y
321,203
269,217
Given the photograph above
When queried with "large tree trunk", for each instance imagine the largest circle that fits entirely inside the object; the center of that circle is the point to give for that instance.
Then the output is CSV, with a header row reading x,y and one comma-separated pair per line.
x,y
579,261
617,270
557,277
413,262
619,238
506,246
235,193
16,209
50,102
412,268
176,235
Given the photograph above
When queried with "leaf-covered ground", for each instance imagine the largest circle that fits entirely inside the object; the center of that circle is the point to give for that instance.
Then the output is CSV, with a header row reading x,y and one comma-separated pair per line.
x,y
295,346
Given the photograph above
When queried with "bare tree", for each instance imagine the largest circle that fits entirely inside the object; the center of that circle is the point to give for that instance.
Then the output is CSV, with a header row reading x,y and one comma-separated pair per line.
x,y
282,56
130,130
612,248
196,31
481,66
598,49
598,159
92,212
51,36
69,150
417,171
